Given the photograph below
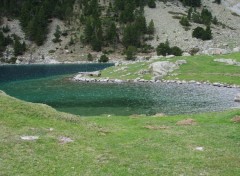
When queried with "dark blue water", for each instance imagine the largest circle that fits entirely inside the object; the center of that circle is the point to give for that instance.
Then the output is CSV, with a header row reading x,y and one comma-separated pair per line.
x,y
10,73
88,99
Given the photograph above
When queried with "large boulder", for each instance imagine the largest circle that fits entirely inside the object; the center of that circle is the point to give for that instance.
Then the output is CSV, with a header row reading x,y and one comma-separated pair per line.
x,y
215,51
162,68
237,98
236,50
227,61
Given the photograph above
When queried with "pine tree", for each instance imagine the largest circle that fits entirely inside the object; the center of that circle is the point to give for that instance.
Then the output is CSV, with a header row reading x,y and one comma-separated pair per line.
x,y
189,16
207,34
111,34
57,34
17,47
140,23
151,28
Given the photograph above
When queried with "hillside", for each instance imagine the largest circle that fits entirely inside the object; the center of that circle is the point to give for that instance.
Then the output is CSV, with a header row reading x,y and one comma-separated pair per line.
x,y
74,46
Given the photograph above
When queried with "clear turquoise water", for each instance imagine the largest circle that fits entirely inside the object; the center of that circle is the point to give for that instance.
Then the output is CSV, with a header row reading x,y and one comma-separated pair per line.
x,y
88,99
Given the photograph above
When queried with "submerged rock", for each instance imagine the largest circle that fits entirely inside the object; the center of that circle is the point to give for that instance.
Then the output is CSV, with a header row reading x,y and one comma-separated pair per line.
x,y
237,98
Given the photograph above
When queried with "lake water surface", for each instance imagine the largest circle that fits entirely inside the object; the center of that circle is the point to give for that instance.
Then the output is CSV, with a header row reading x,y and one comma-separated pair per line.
x,y
88,99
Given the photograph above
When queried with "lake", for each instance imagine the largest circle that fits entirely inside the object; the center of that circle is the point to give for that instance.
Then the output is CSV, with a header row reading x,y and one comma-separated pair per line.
x,y
52,85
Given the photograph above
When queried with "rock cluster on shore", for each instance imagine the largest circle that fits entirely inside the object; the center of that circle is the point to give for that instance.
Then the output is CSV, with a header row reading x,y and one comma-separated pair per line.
x,y
81,78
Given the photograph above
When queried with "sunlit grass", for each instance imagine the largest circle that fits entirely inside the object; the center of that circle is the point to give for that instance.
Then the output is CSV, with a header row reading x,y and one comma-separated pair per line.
x,y
198,68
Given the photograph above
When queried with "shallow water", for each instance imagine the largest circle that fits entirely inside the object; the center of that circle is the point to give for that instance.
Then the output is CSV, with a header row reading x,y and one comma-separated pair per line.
x,y
88,99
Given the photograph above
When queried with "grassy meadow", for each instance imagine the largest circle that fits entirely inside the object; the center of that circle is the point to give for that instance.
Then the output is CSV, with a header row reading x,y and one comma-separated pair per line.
x,y
198,68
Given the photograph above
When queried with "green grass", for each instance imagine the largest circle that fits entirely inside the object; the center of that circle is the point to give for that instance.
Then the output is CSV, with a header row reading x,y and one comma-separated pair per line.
x,y
115,145
198,68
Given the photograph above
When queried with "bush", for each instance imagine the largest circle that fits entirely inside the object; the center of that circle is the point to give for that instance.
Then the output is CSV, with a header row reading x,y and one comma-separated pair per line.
x,y
164,49
12,60
196,18
103,58
89,57
176,51
184,21
5,29
151,4
130,53
200,33
206,16
146,48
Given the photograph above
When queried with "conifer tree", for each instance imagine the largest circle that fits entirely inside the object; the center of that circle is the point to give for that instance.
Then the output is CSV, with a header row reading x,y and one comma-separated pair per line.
x,y
151,28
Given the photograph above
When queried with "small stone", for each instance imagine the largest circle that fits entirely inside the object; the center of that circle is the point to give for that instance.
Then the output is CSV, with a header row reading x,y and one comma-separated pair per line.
x,y
64,140
29,138
199,148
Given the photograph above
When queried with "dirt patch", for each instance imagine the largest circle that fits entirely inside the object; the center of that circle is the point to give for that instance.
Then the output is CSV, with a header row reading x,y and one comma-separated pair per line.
x,y
150,127
187,122
236,119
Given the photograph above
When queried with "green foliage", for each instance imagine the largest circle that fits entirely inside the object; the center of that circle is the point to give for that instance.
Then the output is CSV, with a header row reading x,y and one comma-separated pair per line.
x,y
164,49
196,18
89,57
71,42
218,1
12,60
131,36
151,4
127,15
34,15
130,53
184,21
200,33
215,21
206,16
140,24
4,42
189,16
192,3
103,58
176,51
19,48
57,35
151,28
111,33
5,29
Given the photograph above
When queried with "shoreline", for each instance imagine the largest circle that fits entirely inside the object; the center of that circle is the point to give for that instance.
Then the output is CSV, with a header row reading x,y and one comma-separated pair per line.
x,y
78,78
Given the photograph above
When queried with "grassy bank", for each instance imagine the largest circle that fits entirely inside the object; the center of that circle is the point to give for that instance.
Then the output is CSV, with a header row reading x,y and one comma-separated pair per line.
x,y
198,68
115,145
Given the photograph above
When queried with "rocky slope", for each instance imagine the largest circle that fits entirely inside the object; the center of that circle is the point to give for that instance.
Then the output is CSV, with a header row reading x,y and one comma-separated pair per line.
x,y
167,26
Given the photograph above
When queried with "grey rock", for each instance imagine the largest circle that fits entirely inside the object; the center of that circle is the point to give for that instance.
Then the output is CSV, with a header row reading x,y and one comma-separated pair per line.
x,y
180,62
237,98
227,61
162,68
